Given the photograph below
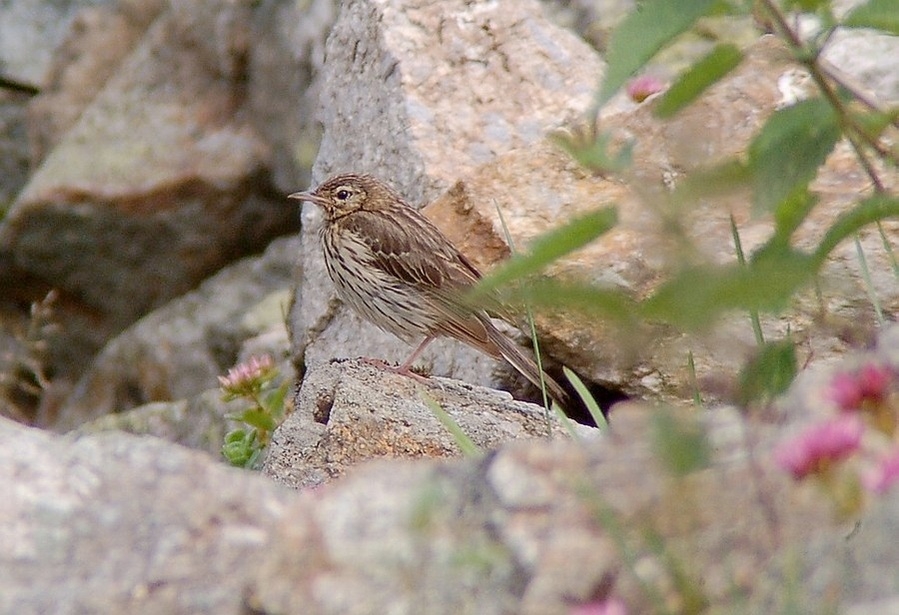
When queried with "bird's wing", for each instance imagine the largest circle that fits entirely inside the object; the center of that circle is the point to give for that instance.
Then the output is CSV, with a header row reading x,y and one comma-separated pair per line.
x,y
409,247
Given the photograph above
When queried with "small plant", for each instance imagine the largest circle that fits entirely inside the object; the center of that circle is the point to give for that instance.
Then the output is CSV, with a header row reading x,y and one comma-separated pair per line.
x,y
25,375
253,381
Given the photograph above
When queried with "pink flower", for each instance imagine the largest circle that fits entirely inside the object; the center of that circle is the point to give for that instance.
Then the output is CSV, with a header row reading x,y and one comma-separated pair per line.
x,y
845,391
870,382
248,377
881,478
874,380
814,449
606,606
641,88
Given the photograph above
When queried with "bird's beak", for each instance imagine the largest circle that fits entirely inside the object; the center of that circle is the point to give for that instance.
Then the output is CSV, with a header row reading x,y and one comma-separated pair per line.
x,y
308,196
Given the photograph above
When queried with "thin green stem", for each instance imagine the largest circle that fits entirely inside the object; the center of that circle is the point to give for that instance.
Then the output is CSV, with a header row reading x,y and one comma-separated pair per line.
x,y
741,258
866,276
533,327
889,249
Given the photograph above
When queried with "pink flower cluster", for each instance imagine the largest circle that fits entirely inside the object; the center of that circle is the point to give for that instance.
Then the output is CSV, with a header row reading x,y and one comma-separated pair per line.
x,y
815,448
247,377
862,397
849,390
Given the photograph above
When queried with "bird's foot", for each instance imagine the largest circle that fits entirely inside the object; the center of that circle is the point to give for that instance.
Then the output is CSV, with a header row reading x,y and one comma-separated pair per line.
x,y
403,370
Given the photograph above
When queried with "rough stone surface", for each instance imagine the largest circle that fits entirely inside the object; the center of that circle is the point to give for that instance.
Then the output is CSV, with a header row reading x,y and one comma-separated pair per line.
x,y
535,188
91,52
198,422
347,412
113,523
153,169
121,524
27,30
417,113
180,349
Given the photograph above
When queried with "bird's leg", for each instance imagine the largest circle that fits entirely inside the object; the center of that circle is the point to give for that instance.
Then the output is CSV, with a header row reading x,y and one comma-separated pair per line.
x,y
405,368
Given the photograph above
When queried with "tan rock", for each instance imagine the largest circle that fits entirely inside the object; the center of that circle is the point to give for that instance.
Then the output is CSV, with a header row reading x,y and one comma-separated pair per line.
x,y
420,114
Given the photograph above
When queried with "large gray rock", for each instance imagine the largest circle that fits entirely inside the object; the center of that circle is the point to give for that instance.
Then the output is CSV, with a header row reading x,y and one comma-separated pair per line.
x,y
29,32
418,111
120,524
155,170
348,412
113,523
179,350
537,187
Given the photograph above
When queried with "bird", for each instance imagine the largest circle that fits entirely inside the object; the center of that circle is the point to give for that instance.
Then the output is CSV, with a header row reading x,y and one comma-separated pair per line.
x,y
397,270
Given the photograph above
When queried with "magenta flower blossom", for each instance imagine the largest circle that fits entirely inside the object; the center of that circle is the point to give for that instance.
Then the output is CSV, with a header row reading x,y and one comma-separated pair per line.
x,y
874,380
606,606
870,382
881,478
814,449
641,88
845,392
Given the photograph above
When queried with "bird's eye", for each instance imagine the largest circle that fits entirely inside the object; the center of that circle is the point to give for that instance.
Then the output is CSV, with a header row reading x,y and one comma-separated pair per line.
x,y
342,194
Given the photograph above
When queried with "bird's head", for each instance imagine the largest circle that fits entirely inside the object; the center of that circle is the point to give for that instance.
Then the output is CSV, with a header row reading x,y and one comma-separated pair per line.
x,y
343,194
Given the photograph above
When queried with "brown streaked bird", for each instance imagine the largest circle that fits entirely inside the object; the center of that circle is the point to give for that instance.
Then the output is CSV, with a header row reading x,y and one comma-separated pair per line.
x,y
400,272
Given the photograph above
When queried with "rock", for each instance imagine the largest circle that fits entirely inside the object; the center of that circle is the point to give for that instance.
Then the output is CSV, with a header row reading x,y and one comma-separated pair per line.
x,y
113,523
348,412
283,88
155,166
13,146
198,422
180,349
537,187
27,31
97,40
419,114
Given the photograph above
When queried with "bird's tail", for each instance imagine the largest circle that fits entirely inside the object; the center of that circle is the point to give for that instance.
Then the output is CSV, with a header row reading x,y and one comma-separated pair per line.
x,y
526,366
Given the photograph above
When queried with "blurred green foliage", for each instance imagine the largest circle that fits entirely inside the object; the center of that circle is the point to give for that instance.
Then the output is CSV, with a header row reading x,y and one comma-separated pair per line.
x,y
781,161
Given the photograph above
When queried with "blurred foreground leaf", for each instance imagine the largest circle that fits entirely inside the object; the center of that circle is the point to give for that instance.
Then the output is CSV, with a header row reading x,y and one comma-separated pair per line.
x,y
680,442
694,81
769,374
880,14
786,153
593,151
642,34
870,210
550,247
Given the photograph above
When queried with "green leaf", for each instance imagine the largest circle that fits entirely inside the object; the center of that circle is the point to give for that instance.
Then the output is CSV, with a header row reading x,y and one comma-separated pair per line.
x,y
550,247
642,34
465,444
769,374
240,448
791,212
695,296
588,299
880,14
810,6
259,419
594,151
788,150
680,443
868,211
873,123
723,178
273,401
599,419
693,82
